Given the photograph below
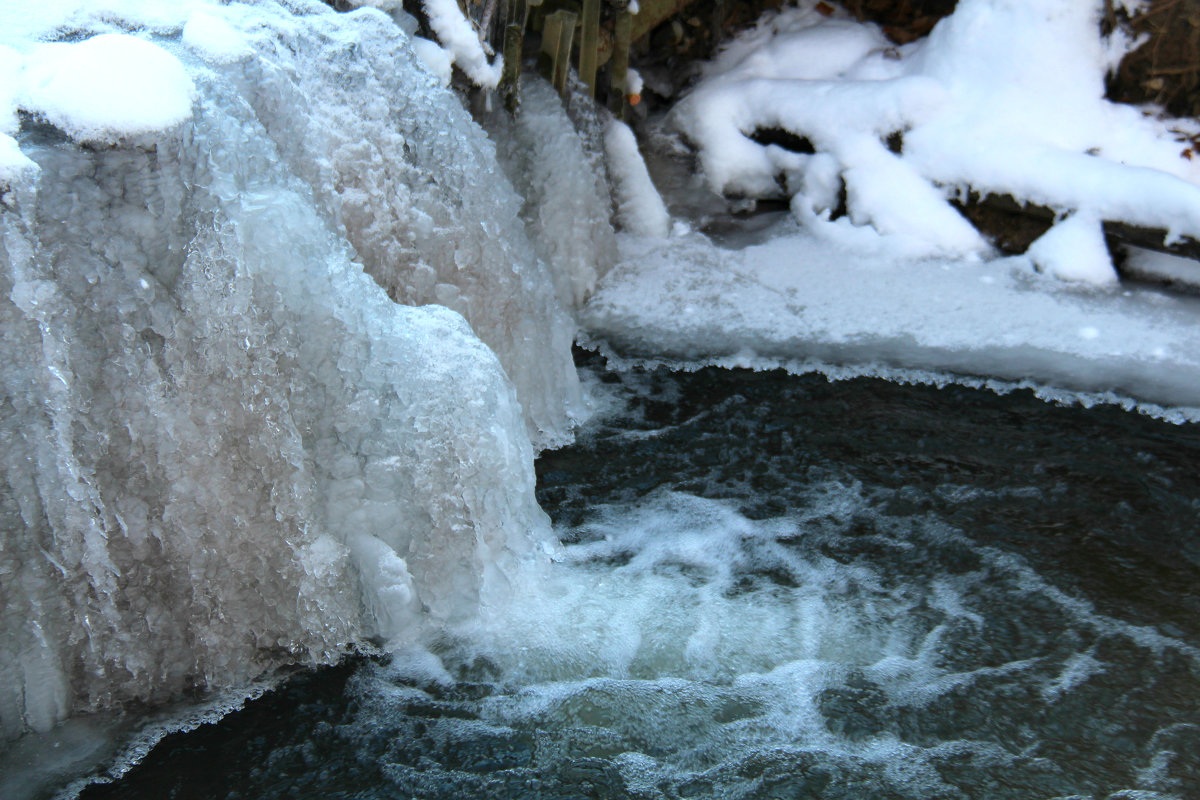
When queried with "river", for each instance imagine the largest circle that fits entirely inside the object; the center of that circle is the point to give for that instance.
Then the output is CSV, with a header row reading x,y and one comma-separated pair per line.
x,y
776,586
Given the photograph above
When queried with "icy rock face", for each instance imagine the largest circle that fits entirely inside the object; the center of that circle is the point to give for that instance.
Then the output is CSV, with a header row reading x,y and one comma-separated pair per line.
x,y
399,166
222,447
567,201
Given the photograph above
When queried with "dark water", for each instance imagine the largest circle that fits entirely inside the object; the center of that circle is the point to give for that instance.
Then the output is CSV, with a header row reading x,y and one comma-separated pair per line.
x,y
780,587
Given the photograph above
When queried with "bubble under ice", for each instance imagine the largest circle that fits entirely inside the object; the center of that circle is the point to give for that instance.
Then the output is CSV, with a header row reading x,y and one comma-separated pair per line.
x,y
224,448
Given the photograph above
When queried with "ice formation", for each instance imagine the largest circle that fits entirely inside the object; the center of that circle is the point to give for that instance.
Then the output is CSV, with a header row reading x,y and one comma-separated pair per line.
x,y
640,209
557,167
811,304
402,170
224,447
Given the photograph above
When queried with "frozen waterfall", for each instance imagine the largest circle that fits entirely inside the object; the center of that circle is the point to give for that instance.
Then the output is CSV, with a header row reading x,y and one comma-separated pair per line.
x,y
224,447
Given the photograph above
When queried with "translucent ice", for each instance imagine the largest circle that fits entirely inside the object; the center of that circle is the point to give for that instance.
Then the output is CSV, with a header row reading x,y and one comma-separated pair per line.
x,y
566,200
222,447
398,166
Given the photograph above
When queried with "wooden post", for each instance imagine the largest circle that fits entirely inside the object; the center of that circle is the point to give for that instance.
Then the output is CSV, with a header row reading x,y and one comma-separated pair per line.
x,y
589,43
558,36
514,36
652,14
618,87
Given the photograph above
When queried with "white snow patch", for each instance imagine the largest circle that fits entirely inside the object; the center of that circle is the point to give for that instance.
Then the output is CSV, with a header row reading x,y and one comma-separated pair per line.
x,y
214,38
634,82
10,70
106,88
461,41
1074,250
12,161
1002,97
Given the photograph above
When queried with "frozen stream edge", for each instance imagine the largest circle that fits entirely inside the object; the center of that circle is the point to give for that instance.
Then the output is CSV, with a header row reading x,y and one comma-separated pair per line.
x,y
806,305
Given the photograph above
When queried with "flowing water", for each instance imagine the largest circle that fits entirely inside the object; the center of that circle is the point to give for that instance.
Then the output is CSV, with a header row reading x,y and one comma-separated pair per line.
x,y
774,586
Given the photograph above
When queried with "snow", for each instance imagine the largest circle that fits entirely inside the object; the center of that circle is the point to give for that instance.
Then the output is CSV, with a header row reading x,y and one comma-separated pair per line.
x,y
107,87
633,82
12,161
1074,250
25,21
10,71
461,41
1002,98
214,38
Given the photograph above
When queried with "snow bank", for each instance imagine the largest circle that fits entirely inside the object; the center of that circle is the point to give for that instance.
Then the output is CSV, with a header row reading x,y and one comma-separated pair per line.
x,y
1005,96
1001,98
214,39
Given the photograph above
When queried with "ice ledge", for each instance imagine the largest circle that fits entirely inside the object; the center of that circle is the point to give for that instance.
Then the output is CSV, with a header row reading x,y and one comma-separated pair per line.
x,y
801,304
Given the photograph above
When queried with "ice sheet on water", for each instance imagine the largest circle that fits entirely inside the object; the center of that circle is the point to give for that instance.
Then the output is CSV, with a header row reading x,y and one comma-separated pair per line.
x,y
806,303
224,448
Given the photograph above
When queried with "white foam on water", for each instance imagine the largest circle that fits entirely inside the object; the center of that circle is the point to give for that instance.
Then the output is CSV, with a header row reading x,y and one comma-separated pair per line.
x,y
693,640
658,593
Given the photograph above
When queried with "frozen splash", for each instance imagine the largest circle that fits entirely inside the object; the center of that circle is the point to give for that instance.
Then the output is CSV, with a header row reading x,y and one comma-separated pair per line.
x,y
224,447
